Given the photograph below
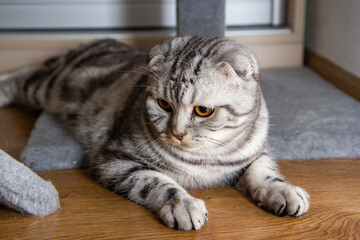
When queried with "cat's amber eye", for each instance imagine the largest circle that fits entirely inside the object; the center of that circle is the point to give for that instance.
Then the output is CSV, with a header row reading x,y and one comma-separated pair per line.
x,y
165,105
203,111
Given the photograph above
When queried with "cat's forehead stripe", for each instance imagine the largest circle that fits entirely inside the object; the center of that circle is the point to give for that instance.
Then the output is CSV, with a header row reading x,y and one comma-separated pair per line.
x,y
194,51
183,91
191,51
193,96
211,50
181,53
188,60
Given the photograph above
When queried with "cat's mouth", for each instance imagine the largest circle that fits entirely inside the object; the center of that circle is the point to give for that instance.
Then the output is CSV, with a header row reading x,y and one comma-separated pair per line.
x,y
184,142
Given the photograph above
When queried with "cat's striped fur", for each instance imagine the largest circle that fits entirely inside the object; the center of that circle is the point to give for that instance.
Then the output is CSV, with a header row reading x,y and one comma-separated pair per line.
x,y
108,95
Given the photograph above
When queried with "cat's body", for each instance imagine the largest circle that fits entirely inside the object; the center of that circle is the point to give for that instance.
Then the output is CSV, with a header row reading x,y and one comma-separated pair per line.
x,y
190,114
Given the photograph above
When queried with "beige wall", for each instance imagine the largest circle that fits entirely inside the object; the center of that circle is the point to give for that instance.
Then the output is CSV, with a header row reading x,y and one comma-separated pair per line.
x,y
333,32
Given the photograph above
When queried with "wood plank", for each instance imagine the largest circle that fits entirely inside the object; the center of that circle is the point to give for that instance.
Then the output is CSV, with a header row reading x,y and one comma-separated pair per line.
x,y
16,123
92,212
341,78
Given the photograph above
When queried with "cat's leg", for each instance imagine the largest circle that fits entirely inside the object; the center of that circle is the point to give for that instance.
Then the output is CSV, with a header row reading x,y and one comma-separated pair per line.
x,y
154,190
271,191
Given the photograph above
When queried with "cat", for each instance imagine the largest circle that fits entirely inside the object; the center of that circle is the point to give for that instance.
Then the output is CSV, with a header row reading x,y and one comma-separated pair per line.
x,y
188,114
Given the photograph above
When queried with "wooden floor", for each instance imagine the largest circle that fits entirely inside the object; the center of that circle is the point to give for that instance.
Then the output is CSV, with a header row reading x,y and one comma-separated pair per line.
x,y
92,212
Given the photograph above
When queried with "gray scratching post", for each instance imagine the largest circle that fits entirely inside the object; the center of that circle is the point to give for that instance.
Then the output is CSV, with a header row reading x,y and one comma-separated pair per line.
x,y
51,146
200,17
23,190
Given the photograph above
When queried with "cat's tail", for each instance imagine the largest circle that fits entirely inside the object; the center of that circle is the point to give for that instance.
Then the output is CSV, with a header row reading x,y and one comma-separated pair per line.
x,y
11,83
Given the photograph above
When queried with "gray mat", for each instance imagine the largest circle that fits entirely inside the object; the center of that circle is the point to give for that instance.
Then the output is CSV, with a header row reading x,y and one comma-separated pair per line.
x,y
310,119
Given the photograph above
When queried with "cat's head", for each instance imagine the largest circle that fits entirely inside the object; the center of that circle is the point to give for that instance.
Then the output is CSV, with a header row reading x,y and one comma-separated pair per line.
x,y
202,91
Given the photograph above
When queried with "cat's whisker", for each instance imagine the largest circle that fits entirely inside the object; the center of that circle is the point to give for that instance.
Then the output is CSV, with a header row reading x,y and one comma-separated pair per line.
x,y
158,144
139,72
143,73
145,86
155,75
220,143
155,79
150,70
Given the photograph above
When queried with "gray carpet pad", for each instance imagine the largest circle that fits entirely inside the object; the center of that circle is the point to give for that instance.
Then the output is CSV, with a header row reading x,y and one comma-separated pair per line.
x,y
310,119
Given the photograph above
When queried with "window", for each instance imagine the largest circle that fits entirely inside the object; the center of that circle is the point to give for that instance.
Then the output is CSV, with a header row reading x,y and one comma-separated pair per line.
x,y
16,15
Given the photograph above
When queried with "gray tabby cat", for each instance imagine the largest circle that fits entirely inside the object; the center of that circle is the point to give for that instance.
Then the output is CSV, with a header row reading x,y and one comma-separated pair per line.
x,y
189,114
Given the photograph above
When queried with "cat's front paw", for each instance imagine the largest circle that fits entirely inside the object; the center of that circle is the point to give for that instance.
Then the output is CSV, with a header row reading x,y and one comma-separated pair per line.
x,y
284,199
184,213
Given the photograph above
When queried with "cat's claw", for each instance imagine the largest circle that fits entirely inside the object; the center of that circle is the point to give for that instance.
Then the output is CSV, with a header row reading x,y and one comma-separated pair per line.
x,y
185,214
285,199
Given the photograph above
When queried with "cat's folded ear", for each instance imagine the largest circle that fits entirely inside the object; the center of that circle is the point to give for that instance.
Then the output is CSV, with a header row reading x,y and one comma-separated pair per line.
x,y
166,48
226,69
241,62
157,54
156,60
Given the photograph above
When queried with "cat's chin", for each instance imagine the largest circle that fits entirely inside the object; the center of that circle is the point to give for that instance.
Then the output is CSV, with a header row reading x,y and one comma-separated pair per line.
x,y
186,145
188,148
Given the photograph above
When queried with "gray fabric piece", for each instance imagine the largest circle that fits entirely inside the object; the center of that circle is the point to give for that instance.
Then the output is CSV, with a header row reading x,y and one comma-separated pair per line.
x,y
23,190
310,118
200,17
51,146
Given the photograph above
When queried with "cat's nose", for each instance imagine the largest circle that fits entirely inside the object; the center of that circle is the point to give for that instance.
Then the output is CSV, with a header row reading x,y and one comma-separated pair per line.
x,y
178,136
